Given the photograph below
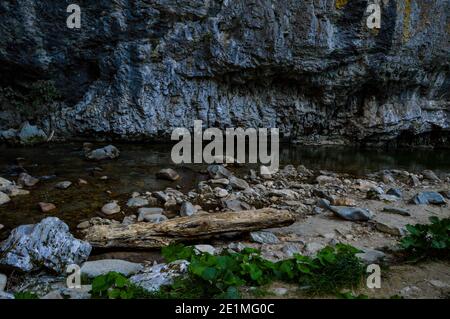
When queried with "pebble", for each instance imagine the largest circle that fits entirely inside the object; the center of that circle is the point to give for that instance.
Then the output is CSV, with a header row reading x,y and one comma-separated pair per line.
x,y
111,208
63,185
137,202
220,192
264,237
187,209
27,180
4,198
396,210
155,218
82,182
279,291
168,174
205,249
371,256
84,225
46,207
144,211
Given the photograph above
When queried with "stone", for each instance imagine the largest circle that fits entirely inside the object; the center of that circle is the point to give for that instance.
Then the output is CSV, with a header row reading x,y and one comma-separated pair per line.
x,y
187,209
1,226
410,292
3,281
96,268
4,198
9,135
371,256
137,202
27,180
218,171
352,213
390,226
155,218
168,174
374,193
111,208
430,175
396,210
446,194
279,291
30,134
395,192
435,283
84,225
46,244
427,198
312,248
220,181
235,205
388,198
107,152
323,203
264,237
15,191
5,184
82,182
388,179
237,183
63,185
144,211
153,278
46,207
220,192
285,193
205,249
414,180
325,179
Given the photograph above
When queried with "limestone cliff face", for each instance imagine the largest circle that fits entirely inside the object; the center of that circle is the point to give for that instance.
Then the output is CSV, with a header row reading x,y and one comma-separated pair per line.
x,y
137,69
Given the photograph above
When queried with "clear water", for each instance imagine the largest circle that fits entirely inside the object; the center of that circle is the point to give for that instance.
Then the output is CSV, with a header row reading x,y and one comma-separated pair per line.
x,y
136,167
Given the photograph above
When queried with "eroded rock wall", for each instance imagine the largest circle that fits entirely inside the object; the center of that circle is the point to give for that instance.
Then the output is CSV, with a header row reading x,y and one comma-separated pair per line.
x,y
137,69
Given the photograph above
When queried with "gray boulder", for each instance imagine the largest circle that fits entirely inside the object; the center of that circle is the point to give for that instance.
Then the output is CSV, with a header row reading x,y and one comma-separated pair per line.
x,y
30,134
47,244
427,198
264,237
107,152
100,267
352,213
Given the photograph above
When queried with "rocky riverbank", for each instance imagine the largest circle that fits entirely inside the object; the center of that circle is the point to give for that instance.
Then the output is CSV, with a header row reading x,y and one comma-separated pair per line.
x,y
369,212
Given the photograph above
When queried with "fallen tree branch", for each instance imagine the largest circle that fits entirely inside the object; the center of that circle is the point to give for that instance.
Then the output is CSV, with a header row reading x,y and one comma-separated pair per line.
x,y
149,235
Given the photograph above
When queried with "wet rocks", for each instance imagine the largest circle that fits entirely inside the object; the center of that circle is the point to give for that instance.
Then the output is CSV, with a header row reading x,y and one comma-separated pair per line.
x,y
63,185
46,244
111,208
27,180
107,152
426,198
168,174
96,268
153,278
187,209
352,213
46,207
4,198
264,237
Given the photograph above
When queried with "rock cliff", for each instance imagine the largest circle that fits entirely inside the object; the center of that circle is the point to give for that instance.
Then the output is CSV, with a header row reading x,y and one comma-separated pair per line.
x,y
137,69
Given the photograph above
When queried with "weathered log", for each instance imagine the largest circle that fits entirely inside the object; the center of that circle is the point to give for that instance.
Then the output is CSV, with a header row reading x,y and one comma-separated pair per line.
x,y
148,235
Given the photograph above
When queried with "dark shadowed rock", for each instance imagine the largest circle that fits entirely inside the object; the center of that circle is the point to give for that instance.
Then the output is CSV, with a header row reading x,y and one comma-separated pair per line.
x,y
27,180
395,192
426,198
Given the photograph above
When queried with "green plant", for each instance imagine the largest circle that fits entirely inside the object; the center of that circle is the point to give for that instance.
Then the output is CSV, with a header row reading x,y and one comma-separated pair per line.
x,y
220,276
25,295
113,286
431,240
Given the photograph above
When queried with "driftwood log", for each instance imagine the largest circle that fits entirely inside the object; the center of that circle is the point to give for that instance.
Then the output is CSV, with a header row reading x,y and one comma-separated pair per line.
x,y
149,235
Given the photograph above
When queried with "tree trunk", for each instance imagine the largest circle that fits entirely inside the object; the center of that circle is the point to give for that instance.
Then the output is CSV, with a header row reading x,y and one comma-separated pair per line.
x,y
149,235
